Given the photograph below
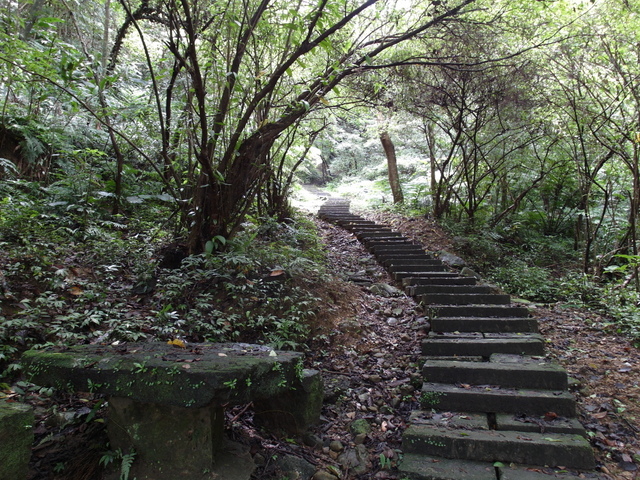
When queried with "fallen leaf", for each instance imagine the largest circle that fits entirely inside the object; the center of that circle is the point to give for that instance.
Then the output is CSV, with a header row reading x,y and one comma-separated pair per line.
x,y
186,366
600,415
77,291
176,342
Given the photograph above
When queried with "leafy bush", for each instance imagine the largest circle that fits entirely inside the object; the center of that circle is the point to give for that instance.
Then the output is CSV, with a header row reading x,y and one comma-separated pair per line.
x,y
523,280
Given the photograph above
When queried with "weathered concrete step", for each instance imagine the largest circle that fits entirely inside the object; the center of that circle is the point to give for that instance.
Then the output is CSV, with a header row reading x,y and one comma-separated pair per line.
x,y
387,242
417,268
570,451
363,235
401,276
453,289
388,259
400,248
479,311
425,467
489,399
528,373
438,344
417,262
485,324
539,424
450,279
500,422
464,299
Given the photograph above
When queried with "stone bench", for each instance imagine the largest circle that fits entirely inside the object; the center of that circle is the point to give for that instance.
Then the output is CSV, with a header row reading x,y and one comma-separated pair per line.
x,y
168,402
16,437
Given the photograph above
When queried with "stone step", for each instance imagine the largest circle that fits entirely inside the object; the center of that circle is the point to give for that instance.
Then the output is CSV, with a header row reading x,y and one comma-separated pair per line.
x,y
417,268
466,344
417,262
362,230
425,467
491,399
387,242
527,372
388,259
552,449
414,290
450,279
539,424
464,299
379,235
397,249
357,223
479,311
485,324
401,276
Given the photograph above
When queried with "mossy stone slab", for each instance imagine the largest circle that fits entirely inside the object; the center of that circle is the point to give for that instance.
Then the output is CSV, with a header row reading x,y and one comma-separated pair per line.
x,y
16,438
192,377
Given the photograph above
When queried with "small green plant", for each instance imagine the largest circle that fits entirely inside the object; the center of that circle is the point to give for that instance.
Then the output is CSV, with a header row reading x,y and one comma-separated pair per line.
x,y
385,462
231,383
430,399
126,461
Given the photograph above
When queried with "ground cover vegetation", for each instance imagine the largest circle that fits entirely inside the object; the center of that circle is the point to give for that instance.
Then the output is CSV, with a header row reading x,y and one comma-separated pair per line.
x,y
149,151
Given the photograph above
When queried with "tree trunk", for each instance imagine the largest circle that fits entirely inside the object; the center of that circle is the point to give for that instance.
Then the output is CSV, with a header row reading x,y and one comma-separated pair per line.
x,y
392,164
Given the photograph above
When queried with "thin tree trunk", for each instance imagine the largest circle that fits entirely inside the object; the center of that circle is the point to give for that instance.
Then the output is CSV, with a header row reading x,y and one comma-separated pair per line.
x,y
392,164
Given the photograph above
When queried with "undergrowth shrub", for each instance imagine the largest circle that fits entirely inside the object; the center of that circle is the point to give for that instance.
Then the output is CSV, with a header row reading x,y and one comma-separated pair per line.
x,y
522,280
259,290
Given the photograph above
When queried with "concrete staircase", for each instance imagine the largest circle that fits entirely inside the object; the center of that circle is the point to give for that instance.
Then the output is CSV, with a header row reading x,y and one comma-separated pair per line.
x,y
492,406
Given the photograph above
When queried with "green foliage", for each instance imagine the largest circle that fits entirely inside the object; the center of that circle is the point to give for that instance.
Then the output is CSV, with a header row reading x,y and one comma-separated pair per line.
x,y
242,294
523,280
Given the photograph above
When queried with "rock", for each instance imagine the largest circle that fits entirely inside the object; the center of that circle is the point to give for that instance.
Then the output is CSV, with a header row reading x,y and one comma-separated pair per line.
x,y
467,272
312,440
322,475
355,460
360,438
385,290
360,426
336,446
295,468
451,259
392,321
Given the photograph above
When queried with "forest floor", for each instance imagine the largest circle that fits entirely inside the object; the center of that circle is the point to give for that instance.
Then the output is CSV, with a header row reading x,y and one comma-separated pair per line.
x,y
370,361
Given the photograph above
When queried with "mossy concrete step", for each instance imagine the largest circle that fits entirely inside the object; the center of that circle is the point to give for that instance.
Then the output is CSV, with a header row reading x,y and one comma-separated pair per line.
x,y
16,439
477,344
450,278
398,249
414,290
492,399
415,262
464,299
417,268
500,422
373,236
425,467
408,277
512,371
387,242
539,424
387,259
484,324
479,311
551,449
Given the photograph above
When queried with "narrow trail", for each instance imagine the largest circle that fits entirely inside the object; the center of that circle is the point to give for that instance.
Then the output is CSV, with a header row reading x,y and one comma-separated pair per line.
x,y
492,406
